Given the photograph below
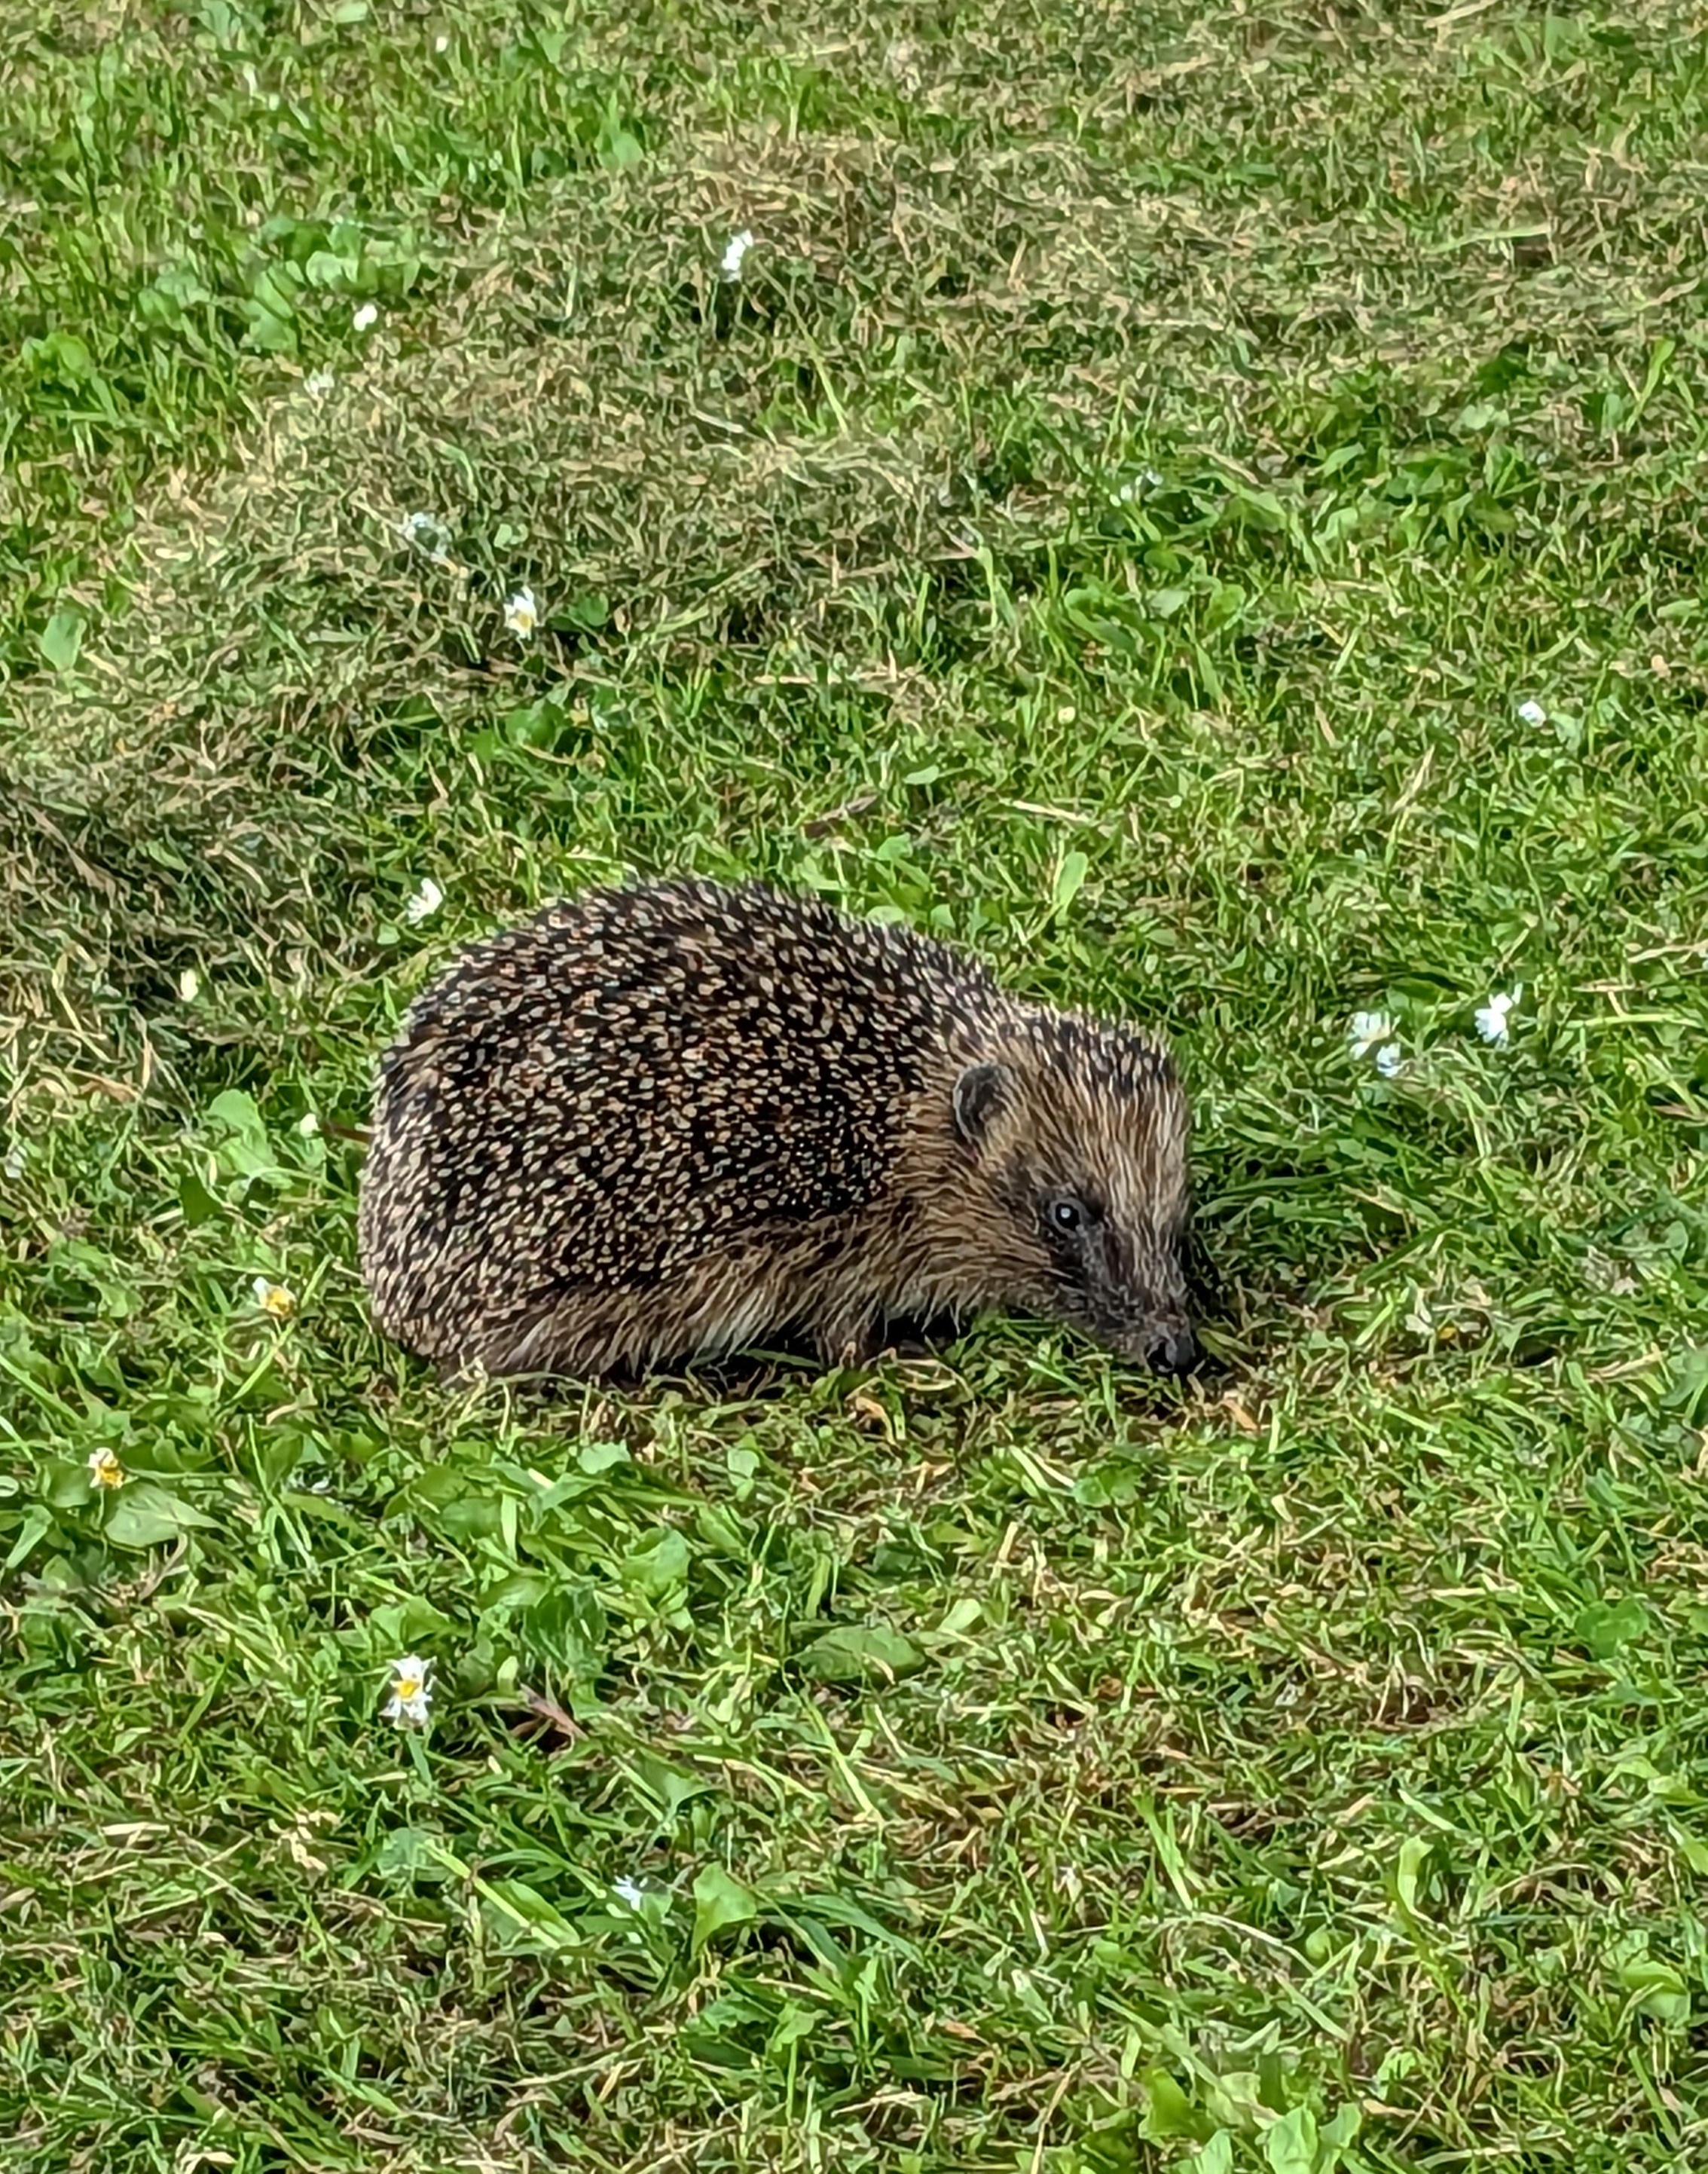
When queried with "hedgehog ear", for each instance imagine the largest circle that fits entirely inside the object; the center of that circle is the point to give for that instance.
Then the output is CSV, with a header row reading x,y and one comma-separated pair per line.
x,y
979,1094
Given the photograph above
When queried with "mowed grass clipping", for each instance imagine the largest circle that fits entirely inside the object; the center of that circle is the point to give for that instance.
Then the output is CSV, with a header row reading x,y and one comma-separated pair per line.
x,y
1204,507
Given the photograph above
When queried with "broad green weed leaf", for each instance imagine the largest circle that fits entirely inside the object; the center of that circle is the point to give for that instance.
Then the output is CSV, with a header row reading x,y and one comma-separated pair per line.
x,y
1069,877
719,1902
1605,1625
143,1515
658,1567
519,1919
1167,2111
1290,2144
62,639
859,1653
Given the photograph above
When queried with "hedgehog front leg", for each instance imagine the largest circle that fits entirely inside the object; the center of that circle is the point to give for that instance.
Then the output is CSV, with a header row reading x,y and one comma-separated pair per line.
x,y
920,1335
852,1336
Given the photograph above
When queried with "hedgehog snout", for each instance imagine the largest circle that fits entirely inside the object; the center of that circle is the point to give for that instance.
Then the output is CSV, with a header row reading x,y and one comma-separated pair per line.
x,y
1153,1324
1161,1338
1173,1349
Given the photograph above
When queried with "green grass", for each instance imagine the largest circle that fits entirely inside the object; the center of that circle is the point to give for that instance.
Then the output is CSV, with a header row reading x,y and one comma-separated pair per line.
x,y
1150,457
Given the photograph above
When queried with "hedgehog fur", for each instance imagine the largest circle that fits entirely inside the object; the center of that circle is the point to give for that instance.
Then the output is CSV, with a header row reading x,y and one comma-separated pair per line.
x,y
676,1119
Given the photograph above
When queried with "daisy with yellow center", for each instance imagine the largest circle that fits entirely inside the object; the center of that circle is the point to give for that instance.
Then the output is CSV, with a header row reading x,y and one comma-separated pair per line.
x,y
412,1694
105,1469
275,1299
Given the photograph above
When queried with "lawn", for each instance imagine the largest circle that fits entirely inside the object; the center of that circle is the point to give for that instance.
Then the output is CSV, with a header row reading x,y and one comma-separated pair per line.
x,y
1203,506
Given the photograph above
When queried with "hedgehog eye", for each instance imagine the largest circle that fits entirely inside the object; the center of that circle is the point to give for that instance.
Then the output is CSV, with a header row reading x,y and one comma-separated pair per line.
x,y
1066,1214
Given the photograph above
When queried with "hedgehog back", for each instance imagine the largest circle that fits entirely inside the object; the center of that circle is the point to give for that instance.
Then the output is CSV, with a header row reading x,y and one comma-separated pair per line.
x,y
600,1097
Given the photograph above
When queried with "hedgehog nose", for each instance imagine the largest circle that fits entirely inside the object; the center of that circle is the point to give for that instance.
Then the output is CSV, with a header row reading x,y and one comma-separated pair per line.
x,y
1173,1351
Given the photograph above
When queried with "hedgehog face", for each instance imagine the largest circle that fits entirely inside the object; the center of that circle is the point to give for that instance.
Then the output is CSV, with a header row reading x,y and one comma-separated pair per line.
x,y
1117,1272
1082,1141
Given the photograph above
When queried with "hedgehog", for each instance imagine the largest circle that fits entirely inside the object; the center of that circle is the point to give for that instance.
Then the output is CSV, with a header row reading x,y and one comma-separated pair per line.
x,y
675,1120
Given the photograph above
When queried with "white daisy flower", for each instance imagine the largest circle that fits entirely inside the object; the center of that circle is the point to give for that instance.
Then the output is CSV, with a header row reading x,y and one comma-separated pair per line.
x,y
105,1469
629,1891
1491,1017
318,383
739,245
1532,714
428,533
412,1694
308,1125
425,900
1367,1031
189,986
521,612
367,315
273,1298
1388,1060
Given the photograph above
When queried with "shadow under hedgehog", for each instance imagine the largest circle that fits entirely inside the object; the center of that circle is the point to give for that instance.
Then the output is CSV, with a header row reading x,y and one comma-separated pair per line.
x,y
667,1122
